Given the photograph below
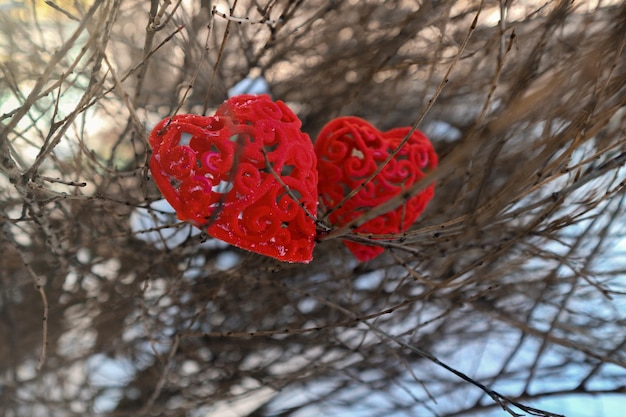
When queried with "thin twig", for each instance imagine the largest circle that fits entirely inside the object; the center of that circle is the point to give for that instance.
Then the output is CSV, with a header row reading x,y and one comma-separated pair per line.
x,y
218,60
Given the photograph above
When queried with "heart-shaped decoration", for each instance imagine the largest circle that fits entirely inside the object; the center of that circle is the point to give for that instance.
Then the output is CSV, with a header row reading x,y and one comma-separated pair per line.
x,y
349,150
246,176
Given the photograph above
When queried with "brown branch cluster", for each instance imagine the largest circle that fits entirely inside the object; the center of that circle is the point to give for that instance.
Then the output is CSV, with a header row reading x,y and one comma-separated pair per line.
x,y
508,290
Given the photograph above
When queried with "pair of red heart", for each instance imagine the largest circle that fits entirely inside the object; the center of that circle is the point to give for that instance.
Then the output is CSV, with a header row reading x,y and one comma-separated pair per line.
x,y
269,203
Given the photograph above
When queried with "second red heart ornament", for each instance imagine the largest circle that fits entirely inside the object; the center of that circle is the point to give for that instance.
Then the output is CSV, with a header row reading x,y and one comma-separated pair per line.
x,y
349,150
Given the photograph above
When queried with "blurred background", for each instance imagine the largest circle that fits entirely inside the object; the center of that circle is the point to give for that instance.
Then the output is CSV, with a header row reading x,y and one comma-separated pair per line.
x,y
507,296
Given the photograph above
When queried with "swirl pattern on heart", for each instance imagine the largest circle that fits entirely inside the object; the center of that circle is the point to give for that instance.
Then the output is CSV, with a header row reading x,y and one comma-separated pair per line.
x,y
246,175
349,150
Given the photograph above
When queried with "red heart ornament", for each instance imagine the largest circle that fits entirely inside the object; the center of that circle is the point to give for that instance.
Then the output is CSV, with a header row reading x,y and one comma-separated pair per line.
x,y
349,150
220,174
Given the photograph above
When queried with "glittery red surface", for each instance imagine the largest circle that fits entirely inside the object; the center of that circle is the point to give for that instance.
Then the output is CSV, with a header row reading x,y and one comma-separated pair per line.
x,y
212,170
349,150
